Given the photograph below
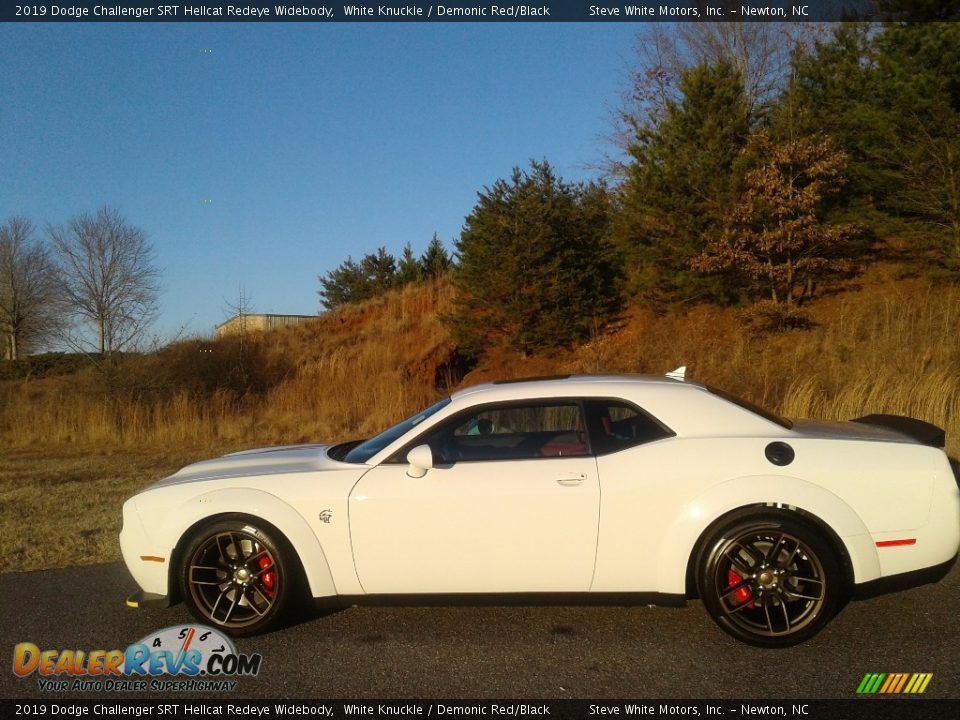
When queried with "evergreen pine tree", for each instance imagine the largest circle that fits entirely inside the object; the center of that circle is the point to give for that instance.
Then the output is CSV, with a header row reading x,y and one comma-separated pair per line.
x,y
409,269
680,183
435,261
535,270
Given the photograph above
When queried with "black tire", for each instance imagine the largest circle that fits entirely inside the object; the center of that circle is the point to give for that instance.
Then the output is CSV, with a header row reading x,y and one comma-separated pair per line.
x,y
769,579
239,575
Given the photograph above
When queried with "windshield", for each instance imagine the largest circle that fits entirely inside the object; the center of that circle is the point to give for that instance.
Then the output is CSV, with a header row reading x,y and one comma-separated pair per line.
x,y
368,448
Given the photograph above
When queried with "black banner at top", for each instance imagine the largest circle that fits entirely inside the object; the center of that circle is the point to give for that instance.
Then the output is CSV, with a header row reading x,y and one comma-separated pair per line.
x,y
505,709
477,11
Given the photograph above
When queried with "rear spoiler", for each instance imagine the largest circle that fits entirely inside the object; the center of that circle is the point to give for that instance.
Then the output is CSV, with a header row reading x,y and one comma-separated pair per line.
x,y
922,432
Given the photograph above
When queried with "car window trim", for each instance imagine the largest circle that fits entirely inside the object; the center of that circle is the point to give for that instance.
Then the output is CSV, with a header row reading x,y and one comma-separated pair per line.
x,y
668,432
400,456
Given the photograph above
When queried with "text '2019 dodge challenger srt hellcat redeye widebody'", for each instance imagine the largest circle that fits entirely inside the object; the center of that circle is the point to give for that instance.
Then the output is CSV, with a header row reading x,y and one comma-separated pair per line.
x,y
598,489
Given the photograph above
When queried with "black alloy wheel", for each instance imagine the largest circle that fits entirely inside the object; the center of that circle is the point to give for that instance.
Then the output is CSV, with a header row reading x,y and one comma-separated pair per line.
x,y
237,576
770,580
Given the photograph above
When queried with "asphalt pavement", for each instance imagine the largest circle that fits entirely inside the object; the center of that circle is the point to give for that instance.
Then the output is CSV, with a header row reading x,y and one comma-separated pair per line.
x,y
527,652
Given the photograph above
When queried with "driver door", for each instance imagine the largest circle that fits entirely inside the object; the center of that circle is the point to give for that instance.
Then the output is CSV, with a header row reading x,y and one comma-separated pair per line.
x,y
511,505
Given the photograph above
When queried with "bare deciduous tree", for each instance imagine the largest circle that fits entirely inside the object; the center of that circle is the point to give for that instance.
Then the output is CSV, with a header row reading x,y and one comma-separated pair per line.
x,y
29,290
759,52
110,280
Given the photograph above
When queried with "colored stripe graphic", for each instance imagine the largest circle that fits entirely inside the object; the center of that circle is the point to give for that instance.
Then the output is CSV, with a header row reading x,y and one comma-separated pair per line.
x,y
894,683
874,683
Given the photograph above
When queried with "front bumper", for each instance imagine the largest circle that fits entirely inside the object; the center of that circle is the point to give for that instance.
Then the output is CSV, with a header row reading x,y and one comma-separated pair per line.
x,y
148,564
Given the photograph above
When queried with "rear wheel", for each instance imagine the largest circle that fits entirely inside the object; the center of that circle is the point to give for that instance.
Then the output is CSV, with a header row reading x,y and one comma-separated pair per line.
x,y
769,580
238,576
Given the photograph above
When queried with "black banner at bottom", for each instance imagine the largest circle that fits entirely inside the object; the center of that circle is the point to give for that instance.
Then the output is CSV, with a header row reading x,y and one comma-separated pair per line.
x,y
867,708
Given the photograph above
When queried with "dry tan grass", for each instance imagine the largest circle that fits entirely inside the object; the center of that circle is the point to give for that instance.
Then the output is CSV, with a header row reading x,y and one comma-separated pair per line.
x,y
891,347
63,510
353,372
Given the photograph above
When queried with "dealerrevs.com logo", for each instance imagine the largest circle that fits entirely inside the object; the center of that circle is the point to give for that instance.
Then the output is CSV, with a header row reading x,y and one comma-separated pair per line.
x,y
205,657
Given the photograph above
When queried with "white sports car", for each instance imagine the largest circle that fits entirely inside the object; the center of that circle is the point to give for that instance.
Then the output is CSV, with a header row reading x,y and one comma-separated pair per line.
x,y
599,489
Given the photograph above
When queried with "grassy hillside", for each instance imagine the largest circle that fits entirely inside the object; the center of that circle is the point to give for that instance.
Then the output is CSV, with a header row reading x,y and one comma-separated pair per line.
x,y
87,439
882,345
347,374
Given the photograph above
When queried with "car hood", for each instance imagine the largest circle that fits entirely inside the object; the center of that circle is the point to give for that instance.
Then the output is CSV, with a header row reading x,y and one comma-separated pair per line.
x,y
259,462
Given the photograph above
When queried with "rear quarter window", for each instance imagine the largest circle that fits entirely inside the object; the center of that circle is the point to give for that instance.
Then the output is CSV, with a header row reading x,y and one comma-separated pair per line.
x,y
616,425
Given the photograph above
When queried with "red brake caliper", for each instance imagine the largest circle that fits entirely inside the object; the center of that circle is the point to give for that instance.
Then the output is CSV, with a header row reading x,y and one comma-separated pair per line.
x,y
268,579
743,594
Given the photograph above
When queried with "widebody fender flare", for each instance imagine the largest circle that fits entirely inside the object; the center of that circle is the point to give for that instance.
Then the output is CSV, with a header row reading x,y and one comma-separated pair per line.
x,y
267,507
791,492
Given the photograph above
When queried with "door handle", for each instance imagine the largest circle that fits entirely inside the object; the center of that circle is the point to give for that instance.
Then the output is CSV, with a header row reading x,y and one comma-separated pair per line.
x,y
569,480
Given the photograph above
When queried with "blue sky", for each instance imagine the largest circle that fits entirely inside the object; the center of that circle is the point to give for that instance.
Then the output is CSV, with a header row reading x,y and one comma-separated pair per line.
x,y
311,142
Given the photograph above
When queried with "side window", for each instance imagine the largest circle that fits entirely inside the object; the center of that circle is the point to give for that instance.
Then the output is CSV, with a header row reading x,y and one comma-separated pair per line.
x,y
511,432
616,425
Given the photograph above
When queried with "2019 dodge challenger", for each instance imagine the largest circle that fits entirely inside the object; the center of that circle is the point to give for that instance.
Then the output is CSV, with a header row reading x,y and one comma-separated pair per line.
x,y
597,489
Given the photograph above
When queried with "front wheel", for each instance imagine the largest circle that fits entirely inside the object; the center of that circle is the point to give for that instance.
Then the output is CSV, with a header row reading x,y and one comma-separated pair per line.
x,y
238,576
769,580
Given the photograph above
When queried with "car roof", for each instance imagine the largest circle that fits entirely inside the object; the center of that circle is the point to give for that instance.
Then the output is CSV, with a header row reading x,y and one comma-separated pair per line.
x,y
699,413
562,384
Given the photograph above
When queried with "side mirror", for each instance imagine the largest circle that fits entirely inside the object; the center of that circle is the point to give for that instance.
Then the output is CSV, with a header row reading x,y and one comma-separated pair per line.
x,y
421,460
